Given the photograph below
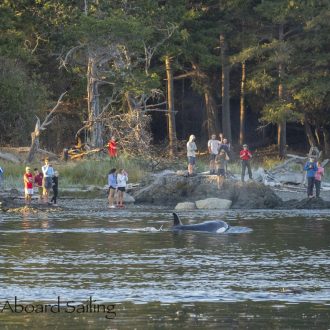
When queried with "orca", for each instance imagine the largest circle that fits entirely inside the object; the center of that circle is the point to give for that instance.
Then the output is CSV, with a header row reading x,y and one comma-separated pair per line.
x,y
209,226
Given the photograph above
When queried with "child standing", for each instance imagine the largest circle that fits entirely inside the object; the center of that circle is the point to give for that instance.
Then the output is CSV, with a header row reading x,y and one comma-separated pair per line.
x,y
38,183
318,178
122,179
28,185
220,161
55,188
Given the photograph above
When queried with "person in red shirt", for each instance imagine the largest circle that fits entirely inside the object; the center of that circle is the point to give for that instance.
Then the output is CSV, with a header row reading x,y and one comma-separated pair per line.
x,y
38,183
28,185
112,147
245,156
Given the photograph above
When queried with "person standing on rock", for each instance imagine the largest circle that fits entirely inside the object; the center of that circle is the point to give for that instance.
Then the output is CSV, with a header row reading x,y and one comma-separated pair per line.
x,y
48,173
318,178
245,156
122,179
191,154
55,188
38,183
220,161
311,169
213,146
225,145
112,183
28,185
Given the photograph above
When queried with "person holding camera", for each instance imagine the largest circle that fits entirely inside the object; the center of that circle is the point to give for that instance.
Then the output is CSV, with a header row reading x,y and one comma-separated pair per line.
x,y
311,169
122,178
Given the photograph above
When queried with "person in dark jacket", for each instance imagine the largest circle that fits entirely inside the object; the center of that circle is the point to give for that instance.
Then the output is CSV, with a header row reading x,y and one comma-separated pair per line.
x,y
55,187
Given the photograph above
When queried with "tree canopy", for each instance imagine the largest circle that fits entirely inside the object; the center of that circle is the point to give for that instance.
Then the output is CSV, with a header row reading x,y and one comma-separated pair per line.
x,y
239,66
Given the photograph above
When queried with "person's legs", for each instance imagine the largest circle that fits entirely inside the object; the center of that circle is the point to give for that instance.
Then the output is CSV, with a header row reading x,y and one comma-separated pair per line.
x,y
111,197
121,198
317,187
191,165
243,170
220,178
212,163
310,184
249,169
55,191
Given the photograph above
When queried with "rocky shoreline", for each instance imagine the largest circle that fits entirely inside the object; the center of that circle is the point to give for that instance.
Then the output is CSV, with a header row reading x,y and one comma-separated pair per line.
x,y
169,189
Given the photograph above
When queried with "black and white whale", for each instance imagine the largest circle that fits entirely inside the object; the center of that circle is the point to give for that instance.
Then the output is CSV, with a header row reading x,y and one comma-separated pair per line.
x,y
209,226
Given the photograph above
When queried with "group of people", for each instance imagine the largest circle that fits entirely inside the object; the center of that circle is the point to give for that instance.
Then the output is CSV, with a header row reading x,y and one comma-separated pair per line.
x,y
117,182
220,152
43,181
315,172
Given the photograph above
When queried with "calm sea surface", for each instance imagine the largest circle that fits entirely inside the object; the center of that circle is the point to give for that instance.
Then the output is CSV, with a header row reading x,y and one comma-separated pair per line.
x,y
270,271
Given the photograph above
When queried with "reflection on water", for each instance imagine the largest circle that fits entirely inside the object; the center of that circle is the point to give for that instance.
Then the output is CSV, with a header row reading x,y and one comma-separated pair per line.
x,y
278,272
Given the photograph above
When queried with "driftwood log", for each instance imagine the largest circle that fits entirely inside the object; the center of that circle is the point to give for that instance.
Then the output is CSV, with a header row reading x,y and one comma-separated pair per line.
x,y
41,127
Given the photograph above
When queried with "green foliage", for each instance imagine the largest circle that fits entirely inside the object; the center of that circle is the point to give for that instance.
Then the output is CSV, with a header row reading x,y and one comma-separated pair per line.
x,y
279,110
21,97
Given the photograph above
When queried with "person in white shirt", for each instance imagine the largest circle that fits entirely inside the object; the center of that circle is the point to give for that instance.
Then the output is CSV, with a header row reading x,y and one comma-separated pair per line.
x,y
47,183
213,146
122,178
191,154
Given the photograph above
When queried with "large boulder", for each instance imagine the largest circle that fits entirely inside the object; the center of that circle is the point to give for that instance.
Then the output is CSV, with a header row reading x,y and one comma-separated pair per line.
x,y
213,203
170,189
185,206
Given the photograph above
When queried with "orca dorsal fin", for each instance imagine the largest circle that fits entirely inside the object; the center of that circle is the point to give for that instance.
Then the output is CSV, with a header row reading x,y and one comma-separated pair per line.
x,y
177,221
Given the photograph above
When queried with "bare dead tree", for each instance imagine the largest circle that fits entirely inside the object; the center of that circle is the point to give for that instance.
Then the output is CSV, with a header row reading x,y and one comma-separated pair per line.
x,y
41,127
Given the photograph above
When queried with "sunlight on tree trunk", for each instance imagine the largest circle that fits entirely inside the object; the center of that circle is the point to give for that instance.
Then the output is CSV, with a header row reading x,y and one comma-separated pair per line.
x,y
242,112
281,126
226,122
170,108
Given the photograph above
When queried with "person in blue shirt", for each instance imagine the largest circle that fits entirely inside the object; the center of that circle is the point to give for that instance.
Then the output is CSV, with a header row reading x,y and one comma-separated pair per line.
x,y
113,186
311,169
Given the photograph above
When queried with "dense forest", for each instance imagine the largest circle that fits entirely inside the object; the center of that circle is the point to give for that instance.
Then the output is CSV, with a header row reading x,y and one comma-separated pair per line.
x,y
151,71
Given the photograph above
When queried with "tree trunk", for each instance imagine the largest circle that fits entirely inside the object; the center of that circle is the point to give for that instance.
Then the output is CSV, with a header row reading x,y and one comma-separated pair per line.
x,y
211,110
281,126
34,145
226,122
309,133
170,109
242,113
326,136
95,124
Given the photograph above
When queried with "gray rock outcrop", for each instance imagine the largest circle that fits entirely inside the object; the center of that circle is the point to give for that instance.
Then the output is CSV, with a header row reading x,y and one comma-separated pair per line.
x,y
170,189
214,204
185,206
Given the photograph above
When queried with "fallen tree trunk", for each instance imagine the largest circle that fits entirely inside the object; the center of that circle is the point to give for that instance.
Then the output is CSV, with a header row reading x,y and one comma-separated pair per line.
x,y
9,157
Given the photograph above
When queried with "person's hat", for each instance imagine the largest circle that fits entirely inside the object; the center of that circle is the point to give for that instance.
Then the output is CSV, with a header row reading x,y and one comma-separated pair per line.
x,y
245,145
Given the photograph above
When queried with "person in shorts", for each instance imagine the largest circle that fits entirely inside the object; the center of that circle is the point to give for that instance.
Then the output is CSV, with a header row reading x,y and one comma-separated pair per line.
x,y
28,185
191,154
122,179
213,146
38,183
112,183
47,182
220,161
